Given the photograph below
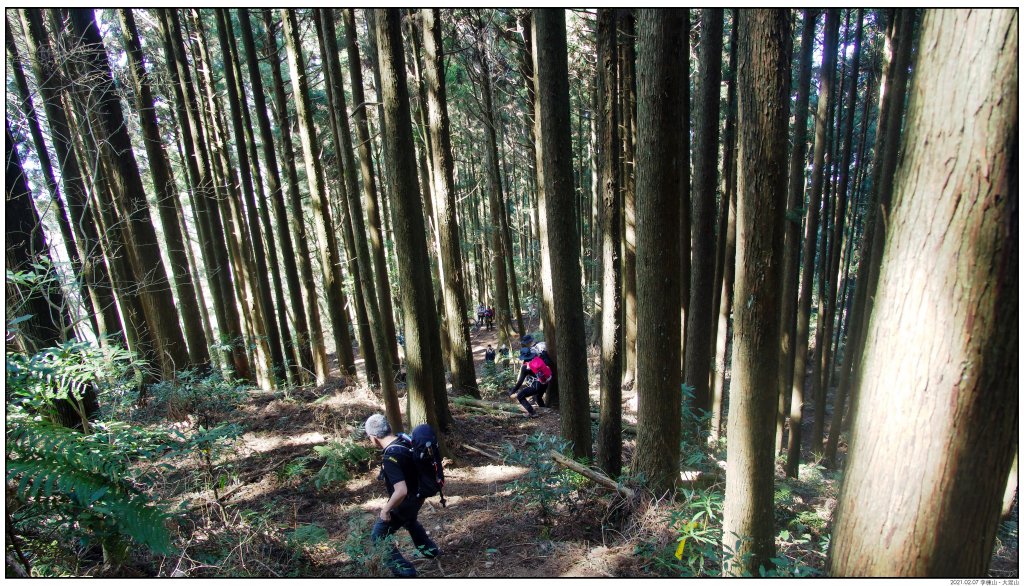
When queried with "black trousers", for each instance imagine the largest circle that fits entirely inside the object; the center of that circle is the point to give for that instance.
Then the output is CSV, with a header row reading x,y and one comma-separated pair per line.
x,y
404,517
535,389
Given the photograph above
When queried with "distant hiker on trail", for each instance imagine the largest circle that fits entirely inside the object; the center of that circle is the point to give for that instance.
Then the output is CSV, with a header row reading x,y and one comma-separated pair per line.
x,y
489,354
503,356
536,374
401,478
481,315
490,318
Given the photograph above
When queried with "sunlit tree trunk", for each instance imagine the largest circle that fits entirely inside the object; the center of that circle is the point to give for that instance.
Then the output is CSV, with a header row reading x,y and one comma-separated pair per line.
x,y
422,343
463,374
661,50
609,435
939,380
763,77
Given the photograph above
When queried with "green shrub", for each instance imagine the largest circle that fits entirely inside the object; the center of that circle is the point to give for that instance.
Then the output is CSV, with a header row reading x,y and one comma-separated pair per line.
x,y
545,483
339,457
208,398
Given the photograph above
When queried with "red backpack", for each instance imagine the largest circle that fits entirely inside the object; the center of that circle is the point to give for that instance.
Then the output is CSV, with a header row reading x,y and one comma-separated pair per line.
x,y
539,368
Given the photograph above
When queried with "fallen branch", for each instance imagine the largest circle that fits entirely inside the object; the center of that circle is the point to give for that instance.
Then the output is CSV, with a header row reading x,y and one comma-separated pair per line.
x,y
591,474
481,452
492,405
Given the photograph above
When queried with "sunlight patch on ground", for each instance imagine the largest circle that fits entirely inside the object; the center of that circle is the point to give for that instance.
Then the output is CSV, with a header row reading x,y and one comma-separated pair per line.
x,y
267,443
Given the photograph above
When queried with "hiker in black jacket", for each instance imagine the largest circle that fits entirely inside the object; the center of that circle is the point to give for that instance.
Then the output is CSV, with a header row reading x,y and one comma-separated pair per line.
x,y
401,479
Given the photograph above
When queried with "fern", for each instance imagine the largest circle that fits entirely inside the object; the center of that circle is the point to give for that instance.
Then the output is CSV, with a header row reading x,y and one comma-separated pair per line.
x,y
83,478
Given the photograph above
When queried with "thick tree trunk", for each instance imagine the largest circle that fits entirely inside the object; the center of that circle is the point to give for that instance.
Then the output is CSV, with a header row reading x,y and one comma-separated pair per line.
x,y
944,333
705,184
609,435
326,238
369,202
628,100
463,373
763,75
661,49
422,343
163,183
553,163
810,244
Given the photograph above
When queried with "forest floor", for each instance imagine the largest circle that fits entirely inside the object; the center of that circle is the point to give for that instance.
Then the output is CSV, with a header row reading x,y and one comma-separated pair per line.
x,y
275,521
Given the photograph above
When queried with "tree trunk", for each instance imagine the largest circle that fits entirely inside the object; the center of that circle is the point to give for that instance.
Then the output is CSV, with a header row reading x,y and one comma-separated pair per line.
x,y
369,201
553,163
463,373
628,101
946,333
422,343
661,49
326,239
705,183
609,435
163,183
810,244
303,352
763,75
794,203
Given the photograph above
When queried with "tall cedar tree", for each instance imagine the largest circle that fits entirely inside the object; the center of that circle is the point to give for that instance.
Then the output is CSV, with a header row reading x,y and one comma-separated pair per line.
x,y
463,374
330,259
705,182
167,193
364,148
810,242
609,436
762,74
122,173
662,49
95,271
890,115
627,107
554,170
795,201
941,359
303,351
422,341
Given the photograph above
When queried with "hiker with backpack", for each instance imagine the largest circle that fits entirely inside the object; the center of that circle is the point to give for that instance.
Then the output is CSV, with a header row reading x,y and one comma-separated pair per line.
x,y
489,354
536,374
411,471
490,318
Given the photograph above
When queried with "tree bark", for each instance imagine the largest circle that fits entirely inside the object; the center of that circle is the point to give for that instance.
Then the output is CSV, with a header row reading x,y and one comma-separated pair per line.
x,y
763,75
661,48
554,158
944,332
705,182
463,373
422,342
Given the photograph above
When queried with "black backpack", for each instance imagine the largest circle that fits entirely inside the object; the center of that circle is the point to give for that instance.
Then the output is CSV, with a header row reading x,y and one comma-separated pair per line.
x,y
427,456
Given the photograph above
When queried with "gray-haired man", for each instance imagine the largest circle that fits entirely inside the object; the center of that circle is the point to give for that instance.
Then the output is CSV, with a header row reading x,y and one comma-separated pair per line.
x,y
401,479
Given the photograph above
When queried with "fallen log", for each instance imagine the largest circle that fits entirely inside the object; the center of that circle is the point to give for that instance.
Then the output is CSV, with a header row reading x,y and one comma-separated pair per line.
x,y
626,428
591,474
698,477
482,453
492,405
